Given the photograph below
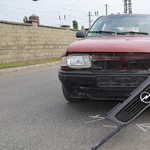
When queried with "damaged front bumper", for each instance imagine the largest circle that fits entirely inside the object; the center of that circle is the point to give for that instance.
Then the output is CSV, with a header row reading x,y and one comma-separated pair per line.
x,y
101,85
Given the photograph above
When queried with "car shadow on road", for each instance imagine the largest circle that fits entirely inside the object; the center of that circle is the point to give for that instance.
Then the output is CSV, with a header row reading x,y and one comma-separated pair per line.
x,y
93,105
96,107
88,108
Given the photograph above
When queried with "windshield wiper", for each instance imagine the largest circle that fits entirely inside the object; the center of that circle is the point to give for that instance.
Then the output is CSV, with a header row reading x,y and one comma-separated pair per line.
x,y
101,32
132,33
119,33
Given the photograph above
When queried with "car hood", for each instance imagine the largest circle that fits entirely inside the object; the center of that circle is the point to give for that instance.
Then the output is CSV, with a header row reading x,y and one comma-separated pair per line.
x,y
118,43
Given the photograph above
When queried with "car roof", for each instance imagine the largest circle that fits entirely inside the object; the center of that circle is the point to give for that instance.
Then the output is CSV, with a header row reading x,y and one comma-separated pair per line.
x,y
126,15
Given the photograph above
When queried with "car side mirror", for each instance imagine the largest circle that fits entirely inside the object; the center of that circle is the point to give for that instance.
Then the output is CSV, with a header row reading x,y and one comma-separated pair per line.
x,y
80,34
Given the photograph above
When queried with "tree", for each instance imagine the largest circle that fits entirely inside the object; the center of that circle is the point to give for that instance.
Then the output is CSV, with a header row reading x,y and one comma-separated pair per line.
x,y
75,24
25,19
82,27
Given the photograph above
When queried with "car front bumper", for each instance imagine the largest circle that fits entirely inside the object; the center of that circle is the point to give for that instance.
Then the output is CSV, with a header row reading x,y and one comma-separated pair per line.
x,y
101,85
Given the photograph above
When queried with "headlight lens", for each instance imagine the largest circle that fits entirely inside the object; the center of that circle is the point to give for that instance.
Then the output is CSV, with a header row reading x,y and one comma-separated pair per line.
x,y
78,61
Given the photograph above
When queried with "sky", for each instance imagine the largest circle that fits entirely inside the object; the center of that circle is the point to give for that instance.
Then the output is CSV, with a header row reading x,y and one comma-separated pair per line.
x,y
63,12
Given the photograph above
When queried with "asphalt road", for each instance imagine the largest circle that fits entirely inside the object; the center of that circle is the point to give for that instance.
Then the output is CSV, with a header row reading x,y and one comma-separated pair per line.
x,y
35,116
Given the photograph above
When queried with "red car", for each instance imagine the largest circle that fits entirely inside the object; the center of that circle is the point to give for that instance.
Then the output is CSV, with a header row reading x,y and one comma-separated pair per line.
x,y
111,60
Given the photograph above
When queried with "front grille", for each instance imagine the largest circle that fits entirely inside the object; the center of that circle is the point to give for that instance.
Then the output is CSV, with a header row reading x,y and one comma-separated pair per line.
x,y
141,63
134,107
107,64
120,81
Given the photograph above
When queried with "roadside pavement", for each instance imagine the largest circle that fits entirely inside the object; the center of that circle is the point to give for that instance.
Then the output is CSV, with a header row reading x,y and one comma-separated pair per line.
x,y
9,70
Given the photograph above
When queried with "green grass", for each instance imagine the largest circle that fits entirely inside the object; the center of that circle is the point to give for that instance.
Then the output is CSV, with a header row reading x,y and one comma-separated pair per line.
x,y
4,66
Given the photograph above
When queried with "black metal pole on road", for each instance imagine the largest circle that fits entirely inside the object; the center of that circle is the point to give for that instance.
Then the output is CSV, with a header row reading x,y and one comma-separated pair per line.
x,y
107,137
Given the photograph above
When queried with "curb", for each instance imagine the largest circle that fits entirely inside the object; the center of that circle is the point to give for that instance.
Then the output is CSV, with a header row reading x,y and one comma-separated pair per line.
x,y
8,70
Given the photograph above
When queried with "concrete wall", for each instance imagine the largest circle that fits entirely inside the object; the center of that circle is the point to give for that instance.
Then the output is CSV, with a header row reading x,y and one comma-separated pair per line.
x,y
21,42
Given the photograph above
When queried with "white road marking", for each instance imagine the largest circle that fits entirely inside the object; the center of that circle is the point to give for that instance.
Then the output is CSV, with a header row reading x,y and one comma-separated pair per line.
x,y
143,126
95,118
109,126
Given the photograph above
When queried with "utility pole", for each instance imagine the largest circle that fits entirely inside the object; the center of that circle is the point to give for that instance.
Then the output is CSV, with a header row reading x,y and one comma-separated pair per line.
x,y
130,7
89,19
127,7
106,9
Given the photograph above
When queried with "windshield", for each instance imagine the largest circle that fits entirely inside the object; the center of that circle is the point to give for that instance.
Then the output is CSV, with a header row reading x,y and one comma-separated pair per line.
x,y
120,23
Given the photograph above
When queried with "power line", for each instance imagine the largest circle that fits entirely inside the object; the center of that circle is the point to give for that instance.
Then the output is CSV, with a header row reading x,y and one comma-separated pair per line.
x,y
3,13
17,8
145,5
52,13
72,4
81,17
46,10
51,4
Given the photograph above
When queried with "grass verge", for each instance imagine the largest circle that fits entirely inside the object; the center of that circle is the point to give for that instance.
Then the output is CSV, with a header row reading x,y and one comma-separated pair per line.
x,y
4,66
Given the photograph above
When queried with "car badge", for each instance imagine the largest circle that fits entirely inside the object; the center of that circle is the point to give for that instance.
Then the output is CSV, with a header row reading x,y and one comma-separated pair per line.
x,y
145,97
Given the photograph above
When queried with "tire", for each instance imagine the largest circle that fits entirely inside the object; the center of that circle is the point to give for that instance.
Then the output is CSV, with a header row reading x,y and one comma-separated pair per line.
x,y
68,98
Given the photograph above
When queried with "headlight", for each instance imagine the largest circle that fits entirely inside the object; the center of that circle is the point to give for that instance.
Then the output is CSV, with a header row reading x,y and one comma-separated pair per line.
x,y
78,61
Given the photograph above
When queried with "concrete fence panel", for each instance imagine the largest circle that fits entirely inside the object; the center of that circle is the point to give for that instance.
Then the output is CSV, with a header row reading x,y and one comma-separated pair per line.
x,y
20,42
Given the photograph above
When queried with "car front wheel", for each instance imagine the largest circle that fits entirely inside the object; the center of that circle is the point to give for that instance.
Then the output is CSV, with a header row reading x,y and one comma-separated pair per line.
x,y
68,97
